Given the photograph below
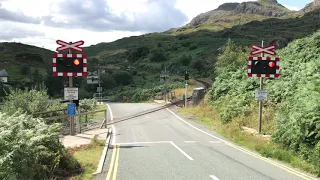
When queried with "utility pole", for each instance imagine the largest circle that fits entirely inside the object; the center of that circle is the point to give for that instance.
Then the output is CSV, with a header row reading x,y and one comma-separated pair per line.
x,y
100,90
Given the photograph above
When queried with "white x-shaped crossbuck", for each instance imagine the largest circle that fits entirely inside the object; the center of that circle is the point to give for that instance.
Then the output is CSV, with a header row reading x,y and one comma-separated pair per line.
x,y
268,50
74,46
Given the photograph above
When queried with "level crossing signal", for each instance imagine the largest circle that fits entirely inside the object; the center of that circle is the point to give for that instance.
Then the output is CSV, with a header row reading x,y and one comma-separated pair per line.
x,y
69,65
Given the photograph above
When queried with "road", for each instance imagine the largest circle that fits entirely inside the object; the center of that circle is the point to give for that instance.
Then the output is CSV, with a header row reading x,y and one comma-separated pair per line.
x,y
162,145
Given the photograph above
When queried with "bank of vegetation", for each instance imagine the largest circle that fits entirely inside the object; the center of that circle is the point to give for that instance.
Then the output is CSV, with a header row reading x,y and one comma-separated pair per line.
x,y
292,113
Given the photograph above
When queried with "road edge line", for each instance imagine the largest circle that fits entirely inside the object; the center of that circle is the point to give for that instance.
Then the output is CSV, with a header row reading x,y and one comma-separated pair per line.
x,y
270,161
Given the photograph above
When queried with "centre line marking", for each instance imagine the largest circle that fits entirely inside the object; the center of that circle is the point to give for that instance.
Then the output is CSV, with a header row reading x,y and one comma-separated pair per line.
x,y
190,141
214,177
258,156
116,163
184,153
112,162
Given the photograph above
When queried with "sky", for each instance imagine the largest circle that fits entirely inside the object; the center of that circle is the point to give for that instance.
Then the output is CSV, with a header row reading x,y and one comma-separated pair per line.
x,y
42,22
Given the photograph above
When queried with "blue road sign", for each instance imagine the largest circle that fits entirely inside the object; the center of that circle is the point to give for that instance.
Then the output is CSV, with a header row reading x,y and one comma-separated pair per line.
x,y
71,109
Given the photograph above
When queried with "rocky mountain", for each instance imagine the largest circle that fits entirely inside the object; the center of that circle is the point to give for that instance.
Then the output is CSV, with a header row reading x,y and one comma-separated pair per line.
x,y
310,7
230,14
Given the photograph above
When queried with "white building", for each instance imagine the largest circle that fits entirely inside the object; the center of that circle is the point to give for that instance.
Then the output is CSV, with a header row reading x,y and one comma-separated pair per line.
x,y
4,76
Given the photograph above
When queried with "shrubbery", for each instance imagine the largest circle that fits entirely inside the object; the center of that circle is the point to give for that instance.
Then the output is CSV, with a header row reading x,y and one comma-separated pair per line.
x,y
29,147
88,104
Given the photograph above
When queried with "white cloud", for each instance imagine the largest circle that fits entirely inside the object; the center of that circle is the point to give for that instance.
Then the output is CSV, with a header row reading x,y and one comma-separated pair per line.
x,y
291,7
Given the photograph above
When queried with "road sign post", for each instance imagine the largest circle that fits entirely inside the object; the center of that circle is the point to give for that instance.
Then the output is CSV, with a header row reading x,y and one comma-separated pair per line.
x,y
263,67
70,65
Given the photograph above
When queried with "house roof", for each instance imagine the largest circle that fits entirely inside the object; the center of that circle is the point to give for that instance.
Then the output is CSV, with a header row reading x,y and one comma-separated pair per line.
x,y
3,73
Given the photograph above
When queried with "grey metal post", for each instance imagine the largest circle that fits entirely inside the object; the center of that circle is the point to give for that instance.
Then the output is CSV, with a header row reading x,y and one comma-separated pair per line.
x,y
72,117
260,102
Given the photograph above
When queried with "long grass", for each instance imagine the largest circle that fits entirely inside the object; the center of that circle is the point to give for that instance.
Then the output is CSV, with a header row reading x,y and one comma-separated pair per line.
x,y
88,156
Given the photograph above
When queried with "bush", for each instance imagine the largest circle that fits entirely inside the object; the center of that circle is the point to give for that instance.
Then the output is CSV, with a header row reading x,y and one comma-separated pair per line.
x,y
88,104
30,149
158,57
26,101
122,78
185,60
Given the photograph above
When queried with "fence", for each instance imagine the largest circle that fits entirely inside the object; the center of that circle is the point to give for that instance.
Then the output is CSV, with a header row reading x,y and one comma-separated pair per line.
x,y
84,121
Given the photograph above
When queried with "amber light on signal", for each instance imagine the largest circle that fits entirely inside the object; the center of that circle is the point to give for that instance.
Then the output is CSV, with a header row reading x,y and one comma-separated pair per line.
x,y
272,64
76,62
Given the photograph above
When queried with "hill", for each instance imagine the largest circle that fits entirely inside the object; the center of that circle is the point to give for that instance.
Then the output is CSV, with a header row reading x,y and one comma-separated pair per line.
x,y
21,60
231,14
143,58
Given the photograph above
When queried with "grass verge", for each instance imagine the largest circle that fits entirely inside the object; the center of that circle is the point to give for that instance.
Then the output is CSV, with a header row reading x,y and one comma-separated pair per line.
x,y
88,156
205,114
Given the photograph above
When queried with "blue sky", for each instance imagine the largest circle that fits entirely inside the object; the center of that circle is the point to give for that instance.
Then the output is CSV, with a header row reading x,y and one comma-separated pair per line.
x,y
295,3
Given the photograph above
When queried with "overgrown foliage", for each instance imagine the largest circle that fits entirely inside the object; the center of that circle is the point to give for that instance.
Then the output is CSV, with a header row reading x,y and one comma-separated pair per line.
x,y
295,96
26,101
30,149
88,104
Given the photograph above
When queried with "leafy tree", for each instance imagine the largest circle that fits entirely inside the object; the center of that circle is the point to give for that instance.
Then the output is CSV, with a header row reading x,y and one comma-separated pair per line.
x,y
185,60
25,70
122,78
108,81
157,57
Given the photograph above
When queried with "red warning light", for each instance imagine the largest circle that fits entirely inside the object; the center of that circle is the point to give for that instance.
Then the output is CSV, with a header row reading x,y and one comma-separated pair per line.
x,y
76,62
272,64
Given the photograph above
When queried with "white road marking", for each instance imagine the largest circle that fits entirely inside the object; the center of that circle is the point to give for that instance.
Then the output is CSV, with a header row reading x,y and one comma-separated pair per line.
x,y
214,177
253,154
184,153
156,142
190,141
112,126
160,142
111,114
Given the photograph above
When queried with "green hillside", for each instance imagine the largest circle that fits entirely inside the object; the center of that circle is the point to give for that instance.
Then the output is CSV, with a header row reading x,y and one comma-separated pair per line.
x,y
141,59
22,60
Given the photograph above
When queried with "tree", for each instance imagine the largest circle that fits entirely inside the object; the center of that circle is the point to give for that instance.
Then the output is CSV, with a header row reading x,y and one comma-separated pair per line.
x,y
25,70
122,78
185,60
158,57
108,81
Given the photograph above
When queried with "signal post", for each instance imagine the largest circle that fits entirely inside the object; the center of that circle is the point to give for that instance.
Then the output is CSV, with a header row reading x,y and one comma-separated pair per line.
x,y
263,67
70,65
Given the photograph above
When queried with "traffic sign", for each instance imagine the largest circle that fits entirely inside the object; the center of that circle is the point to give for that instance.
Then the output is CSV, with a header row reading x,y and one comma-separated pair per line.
x,y
71,109
259,50
92,79
268,67
72,46
261,95
71,93
69,65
